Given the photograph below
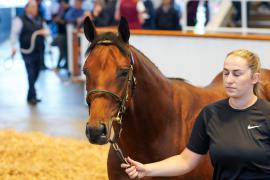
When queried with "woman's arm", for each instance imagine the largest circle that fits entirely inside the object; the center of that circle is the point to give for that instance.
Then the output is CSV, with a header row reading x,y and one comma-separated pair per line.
x,y
172,166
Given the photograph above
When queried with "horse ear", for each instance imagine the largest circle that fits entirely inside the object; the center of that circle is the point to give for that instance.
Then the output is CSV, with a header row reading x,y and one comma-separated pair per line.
x,y
123,30
89,29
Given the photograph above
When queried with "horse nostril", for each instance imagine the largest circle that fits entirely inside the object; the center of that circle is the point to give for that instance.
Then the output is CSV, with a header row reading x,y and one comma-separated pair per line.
x,y
87,131
95,133
103,129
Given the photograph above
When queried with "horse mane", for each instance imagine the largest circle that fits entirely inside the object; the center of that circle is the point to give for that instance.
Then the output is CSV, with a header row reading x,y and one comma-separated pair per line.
x,y
177,79
147,60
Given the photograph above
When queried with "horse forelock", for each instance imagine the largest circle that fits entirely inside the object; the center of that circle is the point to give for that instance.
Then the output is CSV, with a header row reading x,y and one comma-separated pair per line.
x,y
109,38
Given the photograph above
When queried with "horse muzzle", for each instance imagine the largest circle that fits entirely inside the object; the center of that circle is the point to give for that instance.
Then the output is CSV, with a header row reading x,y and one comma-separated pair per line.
x,y
97,135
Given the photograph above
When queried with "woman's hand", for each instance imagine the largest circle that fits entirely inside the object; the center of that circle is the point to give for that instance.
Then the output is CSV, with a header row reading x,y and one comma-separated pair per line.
x,y
134,169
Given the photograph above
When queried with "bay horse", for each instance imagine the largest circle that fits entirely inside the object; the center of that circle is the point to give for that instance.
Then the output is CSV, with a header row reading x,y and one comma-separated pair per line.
x,y
133,104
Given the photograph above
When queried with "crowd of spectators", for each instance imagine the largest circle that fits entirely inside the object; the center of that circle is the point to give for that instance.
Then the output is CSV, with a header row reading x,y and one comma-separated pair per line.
x,y
141,14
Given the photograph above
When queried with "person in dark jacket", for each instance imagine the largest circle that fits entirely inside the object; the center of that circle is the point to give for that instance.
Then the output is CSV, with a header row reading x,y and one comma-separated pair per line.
x,y
61,39
98,15
167,18
29,28
149,22
110,10
75,14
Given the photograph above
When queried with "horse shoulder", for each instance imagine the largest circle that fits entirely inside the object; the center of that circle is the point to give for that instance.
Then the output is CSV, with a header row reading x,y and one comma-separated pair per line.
x,y
191,99
188,100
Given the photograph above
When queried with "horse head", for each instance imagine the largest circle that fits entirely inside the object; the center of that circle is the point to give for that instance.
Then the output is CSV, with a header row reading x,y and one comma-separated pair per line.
x,y
109,81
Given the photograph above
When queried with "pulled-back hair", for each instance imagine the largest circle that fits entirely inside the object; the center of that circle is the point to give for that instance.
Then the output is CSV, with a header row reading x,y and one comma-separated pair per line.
x,y
253,62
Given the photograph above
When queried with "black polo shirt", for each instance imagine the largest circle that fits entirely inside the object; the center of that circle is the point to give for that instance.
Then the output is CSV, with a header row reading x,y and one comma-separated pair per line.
x,y
238,140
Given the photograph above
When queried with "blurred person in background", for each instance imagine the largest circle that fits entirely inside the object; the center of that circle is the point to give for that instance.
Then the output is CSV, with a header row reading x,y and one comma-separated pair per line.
x,y
110,9
99,16
149,22
167,17
23,28
75,14
42,12
133,10
237,16
61,38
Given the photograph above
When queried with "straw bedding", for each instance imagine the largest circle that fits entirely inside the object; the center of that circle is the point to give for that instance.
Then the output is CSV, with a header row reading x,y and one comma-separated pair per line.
x,y
35,156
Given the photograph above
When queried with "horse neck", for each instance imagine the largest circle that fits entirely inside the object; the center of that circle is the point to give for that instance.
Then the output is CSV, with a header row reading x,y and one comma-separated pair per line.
x,y
150,101
193,98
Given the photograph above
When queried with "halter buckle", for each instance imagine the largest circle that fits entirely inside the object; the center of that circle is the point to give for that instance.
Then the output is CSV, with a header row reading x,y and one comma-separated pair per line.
x,y
117,119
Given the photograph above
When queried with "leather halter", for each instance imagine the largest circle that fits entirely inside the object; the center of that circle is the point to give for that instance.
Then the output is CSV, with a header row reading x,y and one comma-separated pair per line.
x,y
121,101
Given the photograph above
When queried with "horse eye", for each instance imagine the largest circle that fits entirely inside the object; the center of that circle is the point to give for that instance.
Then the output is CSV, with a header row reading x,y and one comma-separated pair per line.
x,y
123,73
86,72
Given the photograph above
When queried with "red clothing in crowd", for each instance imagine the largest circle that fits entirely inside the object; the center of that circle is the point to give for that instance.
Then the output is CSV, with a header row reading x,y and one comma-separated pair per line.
x,y
128,9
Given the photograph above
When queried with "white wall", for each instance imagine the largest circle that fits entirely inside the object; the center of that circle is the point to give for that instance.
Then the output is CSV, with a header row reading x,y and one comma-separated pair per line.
x,y
195,59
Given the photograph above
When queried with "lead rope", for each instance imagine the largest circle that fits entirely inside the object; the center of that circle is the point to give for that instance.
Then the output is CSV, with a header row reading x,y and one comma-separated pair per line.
x,y
8,62
120,153
32,43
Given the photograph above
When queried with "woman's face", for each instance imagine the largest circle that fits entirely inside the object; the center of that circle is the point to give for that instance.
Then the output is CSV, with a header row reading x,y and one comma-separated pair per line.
x,y
238,79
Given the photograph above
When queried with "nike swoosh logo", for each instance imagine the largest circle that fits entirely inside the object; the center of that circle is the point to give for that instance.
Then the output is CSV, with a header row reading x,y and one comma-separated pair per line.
x,y
252,127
